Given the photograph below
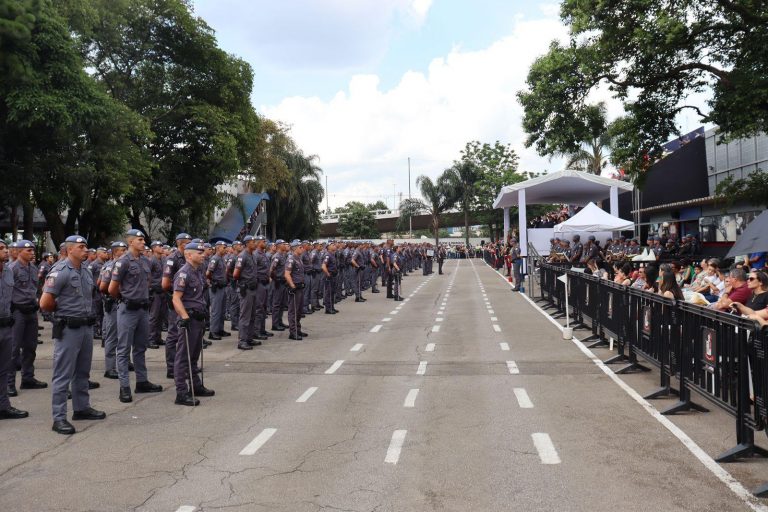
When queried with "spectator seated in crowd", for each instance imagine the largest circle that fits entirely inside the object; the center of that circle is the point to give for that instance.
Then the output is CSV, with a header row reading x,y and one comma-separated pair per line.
x,y
757,282
712,283
622,272
736,290
668,287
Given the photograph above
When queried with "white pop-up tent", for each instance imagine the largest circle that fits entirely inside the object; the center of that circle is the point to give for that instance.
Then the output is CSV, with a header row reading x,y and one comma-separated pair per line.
x,y
593,219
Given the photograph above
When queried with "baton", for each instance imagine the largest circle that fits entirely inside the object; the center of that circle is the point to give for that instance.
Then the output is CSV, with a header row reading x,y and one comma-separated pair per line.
x,y
189,360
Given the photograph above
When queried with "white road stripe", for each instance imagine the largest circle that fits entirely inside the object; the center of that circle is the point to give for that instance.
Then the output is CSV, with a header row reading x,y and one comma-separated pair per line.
x,y
522,398
258,441
546,449
387,319
513,369
186,508
376,328
356,347
496,328
422,368
395,446
410,400
394,312
504,346
430,347
491,312
435,328
307,394
335,366
439,319
442,308
494,319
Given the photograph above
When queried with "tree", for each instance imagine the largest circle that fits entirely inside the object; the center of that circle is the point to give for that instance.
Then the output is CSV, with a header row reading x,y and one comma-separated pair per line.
x,y
593,153
498,167
65,145
462,178
438,197
378,205
652,56
751,190
358,221
162,62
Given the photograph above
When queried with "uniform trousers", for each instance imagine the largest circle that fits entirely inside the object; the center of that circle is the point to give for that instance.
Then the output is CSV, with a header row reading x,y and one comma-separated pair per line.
x,y
309,282
218,298
295,299
234,305
358,282
109,336
157,308
132,339
247,315
72,356
279,301
97,307
328,292
5,365
24,351
192,335
172,339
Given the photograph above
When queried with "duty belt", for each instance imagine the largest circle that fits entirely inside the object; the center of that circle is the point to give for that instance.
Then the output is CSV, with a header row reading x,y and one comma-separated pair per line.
x,y
6,321
24,308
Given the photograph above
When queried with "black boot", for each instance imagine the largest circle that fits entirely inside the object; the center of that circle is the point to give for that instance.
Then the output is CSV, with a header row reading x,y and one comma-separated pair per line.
x,y
186,399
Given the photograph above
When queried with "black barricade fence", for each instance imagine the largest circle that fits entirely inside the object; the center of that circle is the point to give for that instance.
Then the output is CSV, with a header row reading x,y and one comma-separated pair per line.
x,y
720,357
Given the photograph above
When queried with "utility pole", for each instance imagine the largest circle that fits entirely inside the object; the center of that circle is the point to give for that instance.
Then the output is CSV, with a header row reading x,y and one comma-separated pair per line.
x,y
410,216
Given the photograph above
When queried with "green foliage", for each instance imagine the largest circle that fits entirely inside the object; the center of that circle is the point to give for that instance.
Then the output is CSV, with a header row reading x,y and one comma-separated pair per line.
x,y
752,190
463,177
358,221
378,205
657,54
438,196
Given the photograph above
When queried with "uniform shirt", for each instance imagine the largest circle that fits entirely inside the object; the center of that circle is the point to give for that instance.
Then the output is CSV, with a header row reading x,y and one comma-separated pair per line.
x,y
72,287
317,260
173,263
306,261
188,281
358,258
576,251
105,276
95,268
133,275
277,267
245,262
296,268
24,283
156,273
6,291
590,252
218,271
262,265
330,262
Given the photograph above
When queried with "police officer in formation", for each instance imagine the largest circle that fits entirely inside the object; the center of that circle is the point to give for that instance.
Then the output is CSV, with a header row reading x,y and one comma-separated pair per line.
x,y
24,312
68,294
130,286
294,281
189,304
122,294
7,411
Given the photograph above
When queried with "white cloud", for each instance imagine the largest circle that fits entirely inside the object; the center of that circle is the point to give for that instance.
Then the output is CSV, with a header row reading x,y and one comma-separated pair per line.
x,y
364,135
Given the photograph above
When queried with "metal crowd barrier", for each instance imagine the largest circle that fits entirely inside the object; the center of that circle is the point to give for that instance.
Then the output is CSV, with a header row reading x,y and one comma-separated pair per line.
x,y
718,357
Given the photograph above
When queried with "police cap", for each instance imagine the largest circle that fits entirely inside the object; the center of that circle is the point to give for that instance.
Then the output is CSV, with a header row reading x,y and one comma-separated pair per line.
x,y
194,246
220,242
134,232
24,244
156,243
247,239
117,244
75,239
183,236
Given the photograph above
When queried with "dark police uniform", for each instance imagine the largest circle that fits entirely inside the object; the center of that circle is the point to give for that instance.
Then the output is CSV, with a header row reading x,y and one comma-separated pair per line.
x,y
24,331
295,267
6,341
173,262
248,284
262,275
218,295
157,299
279,298
109,326
72,287
133,275
329,282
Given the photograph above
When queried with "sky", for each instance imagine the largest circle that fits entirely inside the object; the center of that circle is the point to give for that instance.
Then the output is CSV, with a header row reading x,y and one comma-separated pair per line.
x,y
367,84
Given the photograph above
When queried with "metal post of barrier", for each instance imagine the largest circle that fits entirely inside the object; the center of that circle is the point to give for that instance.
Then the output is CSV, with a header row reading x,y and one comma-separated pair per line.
x,y
629,337
662,328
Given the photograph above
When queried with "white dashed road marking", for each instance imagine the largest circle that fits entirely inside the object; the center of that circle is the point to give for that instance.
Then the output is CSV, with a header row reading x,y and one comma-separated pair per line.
x,y
410,400
513,369
307,394
258,441
335,366
356,347
546,449
496,328
430,347
186,508
393,452
522,398
435,328
504,346
422,368
376,328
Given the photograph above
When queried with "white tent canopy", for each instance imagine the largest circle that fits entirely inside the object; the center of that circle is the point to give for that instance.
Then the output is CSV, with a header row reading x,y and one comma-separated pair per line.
x,y
593,219
569,187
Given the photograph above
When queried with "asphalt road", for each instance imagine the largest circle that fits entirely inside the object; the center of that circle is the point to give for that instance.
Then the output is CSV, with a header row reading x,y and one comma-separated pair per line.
x,y
462,398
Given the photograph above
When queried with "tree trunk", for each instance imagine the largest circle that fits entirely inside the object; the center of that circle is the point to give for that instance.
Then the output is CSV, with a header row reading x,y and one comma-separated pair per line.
x,y
29,220
14,223
436,228
466,225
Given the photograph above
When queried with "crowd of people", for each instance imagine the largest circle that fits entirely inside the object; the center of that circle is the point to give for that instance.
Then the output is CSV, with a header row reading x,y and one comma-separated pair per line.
x,y
127,294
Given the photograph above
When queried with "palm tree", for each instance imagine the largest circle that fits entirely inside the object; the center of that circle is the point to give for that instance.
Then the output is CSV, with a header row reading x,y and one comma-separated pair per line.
x,y
593,155
438,197
463,177
294,203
